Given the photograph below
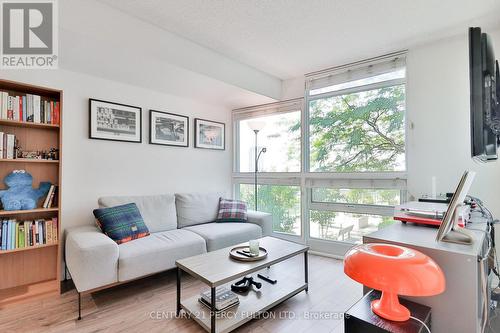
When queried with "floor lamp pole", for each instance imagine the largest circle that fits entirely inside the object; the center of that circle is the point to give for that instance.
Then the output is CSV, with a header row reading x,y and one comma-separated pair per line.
x,y
256,168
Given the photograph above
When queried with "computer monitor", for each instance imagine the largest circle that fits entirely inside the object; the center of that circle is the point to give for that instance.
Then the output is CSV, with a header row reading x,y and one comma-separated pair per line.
x,y
449,231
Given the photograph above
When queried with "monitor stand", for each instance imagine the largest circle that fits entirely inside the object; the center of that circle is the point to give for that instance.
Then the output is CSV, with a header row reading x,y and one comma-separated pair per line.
x,y
457,234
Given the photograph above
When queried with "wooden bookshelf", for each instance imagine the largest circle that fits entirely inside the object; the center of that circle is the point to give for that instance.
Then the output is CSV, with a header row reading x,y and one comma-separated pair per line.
x,y
6,122
30,211
29,248
31,272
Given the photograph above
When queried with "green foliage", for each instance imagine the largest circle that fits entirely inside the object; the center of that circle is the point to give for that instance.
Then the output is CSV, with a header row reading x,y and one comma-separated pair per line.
x,y
325,220
357,196
358,132
282,202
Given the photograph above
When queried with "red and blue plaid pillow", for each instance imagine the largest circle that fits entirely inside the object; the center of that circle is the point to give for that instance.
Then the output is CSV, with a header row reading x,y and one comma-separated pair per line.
x,y
232,211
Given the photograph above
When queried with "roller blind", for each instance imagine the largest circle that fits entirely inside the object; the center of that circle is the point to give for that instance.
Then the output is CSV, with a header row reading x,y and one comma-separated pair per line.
x,y
271,108
378,68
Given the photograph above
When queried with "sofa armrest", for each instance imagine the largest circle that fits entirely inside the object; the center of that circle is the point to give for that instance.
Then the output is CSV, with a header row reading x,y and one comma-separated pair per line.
x,y
91,257
264,220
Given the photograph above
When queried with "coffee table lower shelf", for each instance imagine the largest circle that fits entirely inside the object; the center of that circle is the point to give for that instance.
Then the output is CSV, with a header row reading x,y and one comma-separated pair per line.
x,y
250,306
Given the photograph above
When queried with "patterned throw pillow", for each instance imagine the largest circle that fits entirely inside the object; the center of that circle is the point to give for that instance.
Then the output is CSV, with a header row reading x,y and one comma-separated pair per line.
x,y
232,211
121,223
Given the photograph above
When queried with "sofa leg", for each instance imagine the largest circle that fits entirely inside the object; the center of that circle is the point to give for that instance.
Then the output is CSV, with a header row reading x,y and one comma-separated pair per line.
x,y
65,273
79,306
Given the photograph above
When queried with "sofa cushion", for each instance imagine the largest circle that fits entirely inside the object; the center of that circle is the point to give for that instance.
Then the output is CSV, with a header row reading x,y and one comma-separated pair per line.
x,y
158,211
121,223
232,211
196,208
220,235
157,253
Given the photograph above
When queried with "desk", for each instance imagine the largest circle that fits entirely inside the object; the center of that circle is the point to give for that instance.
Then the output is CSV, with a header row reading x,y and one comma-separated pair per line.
x,y
460,308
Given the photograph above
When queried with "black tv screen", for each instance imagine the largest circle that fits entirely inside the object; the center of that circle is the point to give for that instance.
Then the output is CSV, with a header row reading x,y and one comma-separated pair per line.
x,y
485,121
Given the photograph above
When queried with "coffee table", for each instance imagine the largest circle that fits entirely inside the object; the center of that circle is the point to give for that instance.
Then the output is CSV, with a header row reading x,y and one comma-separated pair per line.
x,y
217,269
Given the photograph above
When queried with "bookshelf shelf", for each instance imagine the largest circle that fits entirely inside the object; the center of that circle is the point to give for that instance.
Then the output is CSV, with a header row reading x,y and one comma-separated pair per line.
x,y
28,211
27,124
29,248
28,160
30,272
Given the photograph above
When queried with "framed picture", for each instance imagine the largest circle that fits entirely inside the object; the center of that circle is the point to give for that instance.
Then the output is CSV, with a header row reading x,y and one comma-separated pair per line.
x,y
114,121
209,134
168,129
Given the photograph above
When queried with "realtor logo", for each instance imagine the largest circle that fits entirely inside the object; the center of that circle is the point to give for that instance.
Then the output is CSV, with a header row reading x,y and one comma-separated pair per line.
x,y
29,34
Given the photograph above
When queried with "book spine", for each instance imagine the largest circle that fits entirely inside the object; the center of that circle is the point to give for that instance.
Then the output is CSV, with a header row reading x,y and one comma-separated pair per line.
x,y
29,112
1,144
44,231
4,149
37,235
5,102
15,109
20,118
16,235
4,235
10,107
57,114
26,233
32,233
48,225
21,235
10,246
51,200
55,228
51,112
46,203
11,140
23,117
38,109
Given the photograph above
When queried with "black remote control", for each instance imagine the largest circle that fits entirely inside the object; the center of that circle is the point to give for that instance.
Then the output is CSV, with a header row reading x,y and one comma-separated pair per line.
x,y
267,278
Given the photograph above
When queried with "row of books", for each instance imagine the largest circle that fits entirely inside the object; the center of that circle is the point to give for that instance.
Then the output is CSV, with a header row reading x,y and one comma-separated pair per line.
x,y
51,198
17,235
224,299
7,146
29,108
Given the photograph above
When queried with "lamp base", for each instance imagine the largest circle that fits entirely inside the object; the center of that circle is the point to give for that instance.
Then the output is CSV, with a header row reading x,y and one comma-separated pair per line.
x,y
388,307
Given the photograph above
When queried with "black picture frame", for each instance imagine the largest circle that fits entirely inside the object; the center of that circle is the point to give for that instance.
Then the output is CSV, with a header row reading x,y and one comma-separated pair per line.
x,y
92,126
197,122
186,133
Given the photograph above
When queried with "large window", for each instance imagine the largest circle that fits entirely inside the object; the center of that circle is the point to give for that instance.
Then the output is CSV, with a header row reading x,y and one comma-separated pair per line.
x,y
335,162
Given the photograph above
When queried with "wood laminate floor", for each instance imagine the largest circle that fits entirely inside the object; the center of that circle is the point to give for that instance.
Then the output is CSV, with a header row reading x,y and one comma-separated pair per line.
x,y
147,306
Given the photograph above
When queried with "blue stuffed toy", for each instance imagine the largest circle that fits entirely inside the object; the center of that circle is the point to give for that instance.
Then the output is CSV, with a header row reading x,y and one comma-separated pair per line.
x,y
21,195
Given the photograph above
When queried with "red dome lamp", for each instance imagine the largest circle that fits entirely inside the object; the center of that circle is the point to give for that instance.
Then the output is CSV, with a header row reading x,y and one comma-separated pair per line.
x,y
394,270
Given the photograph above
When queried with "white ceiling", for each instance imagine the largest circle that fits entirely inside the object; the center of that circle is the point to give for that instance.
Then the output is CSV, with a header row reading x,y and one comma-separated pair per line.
x,y
288,38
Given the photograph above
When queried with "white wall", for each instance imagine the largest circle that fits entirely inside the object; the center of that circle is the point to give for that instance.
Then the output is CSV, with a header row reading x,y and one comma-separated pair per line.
x,y
93,168
438,107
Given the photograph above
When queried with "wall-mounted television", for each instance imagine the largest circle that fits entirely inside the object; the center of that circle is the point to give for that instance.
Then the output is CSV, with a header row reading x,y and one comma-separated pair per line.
x,y
484,93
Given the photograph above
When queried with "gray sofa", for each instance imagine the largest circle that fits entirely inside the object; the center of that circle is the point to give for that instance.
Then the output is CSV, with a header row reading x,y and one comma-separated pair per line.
x,y
181,225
